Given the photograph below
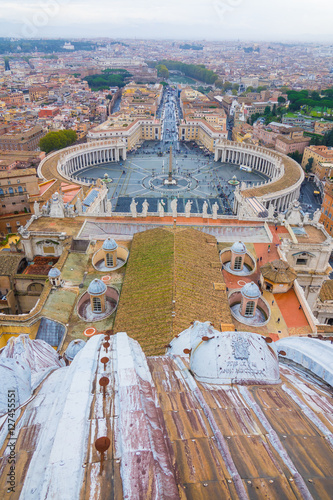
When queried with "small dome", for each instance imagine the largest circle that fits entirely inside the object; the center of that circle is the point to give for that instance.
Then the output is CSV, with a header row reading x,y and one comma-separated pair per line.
x,y
238,247
54,272
110,244
235,358
189,337
278,271
96,287
251,291
73,348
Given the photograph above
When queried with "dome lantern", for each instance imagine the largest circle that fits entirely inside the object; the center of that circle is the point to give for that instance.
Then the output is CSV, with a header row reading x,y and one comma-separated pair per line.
x,y
110,252
97,290
238,252
250,296
54,276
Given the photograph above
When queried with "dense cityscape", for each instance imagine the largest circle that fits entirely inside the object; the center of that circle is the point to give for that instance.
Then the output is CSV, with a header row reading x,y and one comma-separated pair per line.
x,y
166,268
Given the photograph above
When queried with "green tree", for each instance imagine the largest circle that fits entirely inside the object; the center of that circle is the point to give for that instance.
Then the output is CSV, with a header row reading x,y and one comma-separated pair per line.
x,y
162,71
284,89
281,99
235,86
308,166
328,138
57,140
227,85
297,156
234,92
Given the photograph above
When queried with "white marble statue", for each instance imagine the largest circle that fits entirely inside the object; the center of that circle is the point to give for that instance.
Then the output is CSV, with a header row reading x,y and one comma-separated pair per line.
x,y
294,214
161,205
188,207
57,206
271,210
133,208
36,208
173,206
316,216
204,209
145,206
108,208
69,211
79,206
215,208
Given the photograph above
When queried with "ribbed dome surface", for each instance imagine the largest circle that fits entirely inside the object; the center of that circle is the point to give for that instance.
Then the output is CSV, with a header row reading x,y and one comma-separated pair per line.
x,y
73,348
54,272
251,291
278,271
238,247
110,244
96,287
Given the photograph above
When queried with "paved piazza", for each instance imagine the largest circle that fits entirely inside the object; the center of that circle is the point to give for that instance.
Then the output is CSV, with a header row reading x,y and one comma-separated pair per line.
x,y
198,177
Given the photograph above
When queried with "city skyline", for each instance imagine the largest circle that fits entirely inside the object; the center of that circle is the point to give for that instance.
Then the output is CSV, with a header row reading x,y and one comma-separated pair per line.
x,y
213,20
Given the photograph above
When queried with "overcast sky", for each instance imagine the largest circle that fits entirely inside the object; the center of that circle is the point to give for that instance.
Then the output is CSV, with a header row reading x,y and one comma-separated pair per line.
x,y
181,19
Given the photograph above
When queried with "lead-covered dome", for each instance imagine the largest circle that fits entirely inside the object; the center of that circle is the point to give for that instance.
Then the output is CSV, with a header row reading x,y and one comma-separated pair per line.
x,y
235,358
16,377
190,337
54,272
251,291
73,348
96,287
110,244
238,247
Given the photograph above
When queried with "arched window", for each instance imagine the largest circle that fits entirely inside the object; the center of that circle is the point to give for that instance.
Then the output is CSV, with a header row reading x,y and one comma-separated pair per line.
x,y
11,191
238,263
35,287
97,304
1,192
249,308
20,189
109,259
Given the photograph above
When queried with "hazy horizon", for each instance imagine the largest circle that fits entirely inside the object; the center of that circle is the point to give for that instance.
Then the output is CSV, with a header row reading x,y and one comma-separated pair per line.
x,y
212,20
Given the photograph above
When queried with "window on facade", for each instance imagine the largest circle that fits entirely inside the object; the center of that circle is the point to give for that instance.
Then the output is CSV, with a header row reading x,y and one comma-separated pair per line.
x,y
249,308
301,262
11,191
97,304
1,192
35,287
20,189
109,259
238,263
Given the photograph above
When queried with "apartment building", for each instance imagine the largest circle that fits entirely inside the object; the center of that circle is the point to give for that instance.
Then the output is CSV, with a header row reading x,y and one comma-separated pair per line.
x,y
22,140
318,153
15,188
327,207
